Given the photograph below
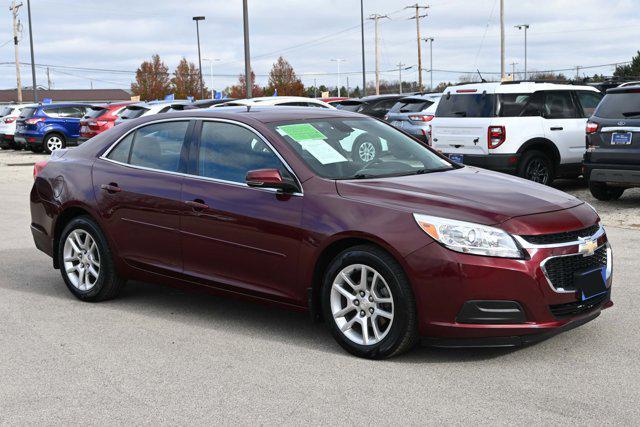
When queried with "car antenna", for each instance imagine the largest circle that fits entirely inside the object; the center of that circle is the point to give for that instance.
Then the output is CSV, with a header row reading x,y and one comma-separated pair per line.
x,y
482,80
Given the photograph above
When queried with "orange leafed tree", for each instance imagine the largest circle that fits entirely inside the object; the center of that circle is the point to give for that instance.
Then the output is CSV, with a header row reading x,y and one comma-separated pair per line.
x,y
283,78
186,81
240,89
152,80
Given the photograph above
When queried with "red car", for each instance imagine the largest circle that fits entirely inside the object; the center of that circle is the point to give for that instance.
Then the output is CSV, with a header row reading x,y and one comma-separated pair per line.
x,y
270,205
99,118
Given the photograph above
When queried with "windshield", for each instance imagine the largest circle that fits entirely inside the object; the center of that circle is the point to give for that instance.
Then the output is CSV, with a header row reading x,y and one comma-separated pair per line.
x,y
410,105
132,112
619,106
480,105
358,149
95,112
27,112
348,106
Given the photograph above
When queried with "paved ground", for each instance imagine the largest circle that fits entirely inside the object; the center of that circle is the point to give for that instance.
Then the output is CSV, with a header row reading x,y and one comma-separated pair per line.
x,y
158,355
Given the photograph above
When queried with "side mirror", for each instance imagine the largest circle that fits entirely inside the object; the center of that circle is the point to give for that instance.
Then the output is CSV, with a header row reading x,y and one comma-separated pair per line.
x,y
270,178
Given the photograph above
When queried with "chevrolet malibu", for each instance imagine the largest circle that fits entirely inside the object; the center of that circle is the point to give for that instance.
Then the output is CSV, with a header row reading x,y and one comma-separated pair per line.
x,y
268,205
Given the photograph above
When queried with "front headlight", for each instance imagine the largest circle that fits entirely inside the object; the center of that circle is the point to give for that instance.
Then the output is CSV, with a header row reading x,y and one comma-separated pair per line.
x,y
469,238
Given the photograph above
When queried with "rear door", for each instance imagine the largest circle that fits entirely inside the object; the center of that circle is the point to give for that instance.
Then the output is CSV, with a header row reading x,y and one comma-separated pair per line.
x,y
137,185
70,117
564,125
462,122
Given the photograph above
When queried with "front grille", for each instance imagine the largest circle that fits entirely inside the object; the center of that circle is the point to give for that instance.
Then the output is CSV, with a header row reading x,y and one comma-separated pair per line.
x,y
565,237
560,269
576,308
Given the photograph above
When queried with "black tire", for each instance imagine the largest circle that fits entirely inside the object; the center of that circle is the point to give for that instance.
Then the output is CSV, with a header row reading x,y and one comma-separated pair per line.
x,y
53,139
108,283
536,166
402,333
370,146
36,149
604,192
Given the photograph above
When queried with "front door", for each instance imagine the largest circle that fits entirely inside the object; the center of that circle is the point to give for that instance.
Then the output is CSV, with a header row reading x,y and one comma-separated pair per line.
x,y
138,190
239,237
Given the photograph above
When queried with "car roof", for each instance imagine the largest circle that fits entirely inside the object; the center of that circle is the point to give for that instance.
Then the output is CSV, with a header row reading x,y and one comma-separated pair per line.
x,y
425,97
514,87
625,89
65,104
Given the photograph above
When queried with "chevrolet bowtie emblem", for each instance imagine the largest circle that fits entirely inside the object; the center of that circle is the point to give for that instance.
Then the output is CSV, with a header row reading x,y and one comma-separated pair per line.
x,y
587,247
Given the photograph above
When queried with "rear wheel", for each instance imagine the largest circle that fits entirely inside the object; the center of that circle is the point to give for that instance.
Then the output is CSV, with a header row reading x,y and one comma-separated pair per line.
x,y
86,262
536,166
368,304
53,142
604,192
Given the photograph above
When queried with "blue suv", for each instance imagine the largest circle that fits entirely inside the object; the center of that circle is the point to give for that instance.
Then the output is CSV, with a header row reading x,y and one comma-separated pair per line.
x,y
49,127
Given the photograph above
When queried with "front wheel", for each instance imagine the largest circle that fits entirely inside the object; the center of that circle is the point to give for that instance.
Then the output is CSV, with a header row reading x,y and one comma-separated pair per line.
x,y
536,166
53,142
86,262
604,192
368,304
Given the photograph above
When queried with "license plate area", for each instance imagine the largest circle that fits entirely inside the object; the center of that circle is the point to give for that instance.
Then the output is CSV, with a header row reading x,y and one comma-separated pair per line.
x,y
590,283
458,158
621,138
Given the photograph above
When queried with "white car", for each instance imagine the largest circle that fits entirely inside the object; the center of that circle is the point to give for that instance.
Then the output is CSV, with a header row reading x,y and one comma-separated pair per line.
x,y
535,130
142,109
8,116
283,101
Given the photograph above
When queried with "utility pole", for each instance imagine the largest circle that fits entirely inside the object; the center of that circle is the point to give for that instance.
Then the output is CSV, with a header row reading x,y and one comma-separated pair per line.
x,y
198,19
339,60
375,18
577,72
364,72
211,61
417,7
33,61
247,53
513,70
347,86
16,30
48,79
502,53
430,41
525,27
400,65
315,88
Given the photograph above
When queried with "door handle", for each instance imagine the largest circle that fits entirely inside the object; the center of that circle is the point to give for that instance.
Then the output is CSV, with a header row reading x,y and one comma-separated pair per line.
x,y
557,128
111,188
197,204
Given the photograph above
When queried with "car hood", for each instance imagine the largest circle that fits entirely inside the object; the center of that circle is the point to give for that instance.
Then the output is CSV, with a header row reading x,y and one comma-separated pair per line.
x,y
465,194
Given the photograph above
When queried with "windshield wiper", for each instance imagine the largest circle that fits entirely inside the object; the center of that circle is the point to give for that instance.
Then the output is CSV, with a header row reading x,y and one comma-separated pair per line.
x,y
424,171
631,113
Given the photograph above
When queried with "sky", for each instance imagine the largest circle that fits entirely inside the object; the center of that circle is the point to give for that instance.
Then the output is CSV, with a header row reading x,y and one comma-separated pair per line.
x,y
78,39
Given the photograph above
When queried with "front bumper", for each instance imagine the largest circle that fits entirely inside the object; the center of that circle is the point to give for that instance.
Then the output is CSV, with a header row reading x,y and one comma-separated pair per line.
x,y
444,281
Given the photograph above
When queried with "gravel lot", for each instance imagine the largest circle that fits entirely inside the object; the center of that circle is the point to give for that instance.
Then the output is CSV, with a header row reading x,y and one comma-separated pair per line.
x,y
159,355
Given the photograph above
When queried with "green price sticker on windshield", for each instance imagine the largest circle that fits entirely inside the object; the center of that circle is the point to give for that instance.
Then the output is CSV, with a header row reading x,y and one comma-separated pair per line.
x,y
302,132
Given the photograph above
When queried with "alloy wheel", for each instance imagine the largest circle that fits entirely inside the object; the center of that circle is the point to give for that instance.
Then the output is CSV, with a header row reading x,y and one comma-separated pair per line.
x,y
81,259
54,143
537,171
367,152
362,304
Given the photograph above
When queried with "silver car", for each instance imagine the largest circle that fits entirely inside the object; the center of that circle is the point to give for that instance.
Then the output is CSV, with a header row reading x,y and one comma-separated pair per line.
x,y
413,114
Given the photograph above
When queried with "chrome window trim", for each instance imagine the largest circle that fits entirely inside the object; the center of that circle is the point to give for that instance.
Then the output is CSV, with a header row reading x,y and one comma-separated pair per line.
x,y
609,268
527,245
205,178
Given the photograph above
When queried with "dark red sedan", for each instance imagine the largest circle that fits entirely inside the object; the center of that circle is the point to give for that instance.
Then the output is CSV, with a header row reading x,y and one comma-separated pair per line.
x,y
271,205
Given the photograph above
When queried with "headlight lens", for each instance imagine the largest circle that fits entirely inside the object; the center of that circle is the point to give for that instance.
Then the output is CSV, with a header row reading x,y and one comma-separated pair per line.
x,y
469,238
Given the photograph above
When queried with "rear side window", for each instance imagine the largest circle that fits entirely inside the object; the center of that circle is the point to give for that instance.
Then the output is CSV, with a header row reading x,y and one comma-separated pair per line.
x,y
474,105
619,106
95,112
27,112
228,152
157,146
132,112
71,112
559,105
410,106
348,106
519,104
589,102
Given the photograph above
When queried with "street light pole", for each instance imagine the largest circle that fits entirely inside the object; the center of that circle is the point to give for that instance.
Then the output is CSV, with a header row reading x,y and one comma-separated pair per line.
x,y
33,63
339,60
211,61
430,41
198,19
247,53
364,73
525,27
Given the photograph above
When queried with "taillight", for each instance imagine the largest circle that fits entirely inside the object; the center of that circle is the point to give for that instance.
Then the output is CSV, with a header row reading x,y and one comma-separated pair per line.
x,y
496,136
420,118
592,127
34,120
37,167
9,119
